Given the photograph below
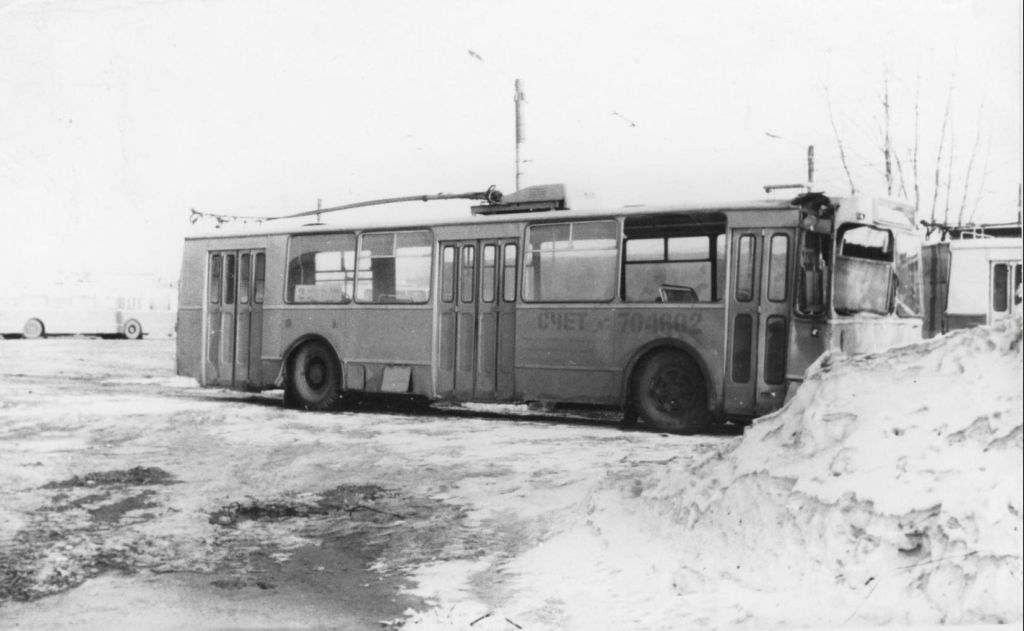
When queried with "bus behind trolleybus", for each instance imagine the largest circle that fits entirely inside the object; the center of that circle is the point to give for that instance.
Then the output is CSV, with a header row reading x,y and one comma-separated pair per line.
x,y
680,316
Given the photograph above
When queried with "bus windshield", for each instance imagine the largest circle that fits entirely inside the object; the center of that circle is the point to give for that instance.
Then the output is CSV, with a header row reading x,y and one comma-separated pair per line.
x,y
877,272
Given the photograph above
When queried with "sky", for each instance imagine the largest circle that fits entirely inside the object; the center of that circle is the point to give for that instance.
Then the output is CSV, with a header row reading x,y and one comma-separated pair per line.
x,y
117,117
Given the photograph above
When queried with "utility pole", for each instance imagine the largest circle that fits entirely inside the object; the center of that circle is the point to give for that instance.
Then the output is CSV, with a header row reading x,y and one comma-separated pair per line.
x,y
519,98
810,164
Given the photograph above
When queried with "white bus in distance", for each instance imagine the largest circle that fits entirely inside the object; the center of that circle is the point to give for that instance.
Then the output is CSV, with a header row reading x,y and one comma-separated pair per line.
x,y
120,305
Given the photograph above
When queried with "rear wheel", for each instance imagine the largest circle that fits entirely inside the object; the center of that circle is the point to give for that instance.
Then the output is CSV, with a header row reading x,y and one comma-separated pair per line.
x,y
313,378
668,393
33,329
132,330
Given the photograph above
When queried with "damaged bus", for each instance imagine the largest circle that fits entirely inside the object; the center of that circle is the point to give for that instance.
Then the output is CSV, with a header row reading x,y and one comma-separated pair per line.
x,y
679,316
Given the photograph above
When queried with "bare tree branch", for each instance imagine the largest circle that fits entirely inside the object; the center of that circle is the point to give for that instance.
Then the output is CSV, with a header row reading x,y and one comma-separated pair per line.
x,y
938,158
984,176
949,172
970,166
887,147
899,171
839,142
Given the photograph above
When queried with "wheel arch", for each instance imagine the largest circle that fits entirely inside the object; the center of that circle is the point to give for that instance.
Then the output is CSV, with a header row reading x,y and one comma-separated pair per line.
x,y
668,343
296,344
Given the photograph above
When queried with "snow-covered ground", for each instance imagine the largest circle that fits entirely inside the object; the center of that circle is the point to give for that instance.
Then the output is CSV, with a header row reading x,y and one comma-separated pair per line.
x,y
887,493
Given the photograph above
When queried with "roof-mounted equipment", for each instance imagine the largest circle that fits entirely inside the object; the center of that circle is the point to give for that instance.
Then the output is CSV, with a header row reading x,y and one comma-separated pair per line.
x,y
530,199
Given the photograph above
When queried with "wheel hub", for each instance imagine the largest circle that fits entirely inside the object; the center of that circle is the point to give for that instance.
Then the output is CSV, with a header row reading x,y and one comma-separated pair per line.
x,y
316,373
672,391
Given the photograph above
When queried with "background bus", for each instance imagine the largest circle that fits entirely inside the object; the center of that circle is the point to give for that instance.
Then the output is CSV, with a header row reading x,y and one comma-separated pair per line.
x,y
677,315
128,305
973,278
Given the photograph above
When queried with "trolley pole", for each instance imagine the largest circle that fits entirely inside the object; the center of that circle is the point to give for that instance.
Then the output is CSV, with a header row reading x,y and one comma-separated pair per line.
x,y
519,98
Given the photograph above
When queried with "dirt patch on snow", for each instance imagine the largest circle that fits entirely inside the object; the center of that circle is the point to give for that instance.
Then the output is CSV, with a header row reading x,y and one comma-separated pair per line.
x,y
136,476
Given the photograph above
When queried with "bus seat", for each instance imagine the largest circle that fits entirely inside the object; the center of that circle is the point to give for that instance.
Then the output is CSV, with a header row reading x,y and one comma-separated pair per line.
x,y
677,293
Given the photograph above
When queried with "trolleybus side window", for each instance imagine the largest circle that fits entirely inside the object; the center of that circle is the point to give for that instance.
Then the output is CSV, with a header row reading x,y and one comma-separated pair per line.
x,y
259,278
674,258
571,262
216,270
778,267
1017,297
509,274
448,274
244,273
321,268
394,267
466,278
908,266
1000,287
745,268
229,279
488,280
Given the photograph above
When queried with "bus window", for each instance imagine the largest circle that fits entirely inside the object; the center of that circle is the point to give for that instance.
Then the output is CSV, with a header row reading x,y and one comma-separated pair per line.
x,y
1017,284
908,266
229,279
321,268
745,269
488,270
448,274
865,280
244,273
216,270
466,276
259,278
674,258
865,242
394,267
778,267
811,279
508,280
1000,287
571,262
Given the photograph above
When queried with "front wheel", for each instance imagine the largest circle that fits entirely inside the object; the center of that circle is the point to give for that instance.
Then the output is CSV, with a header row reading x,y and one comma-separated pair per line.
x,y
313,378
33,329
668,393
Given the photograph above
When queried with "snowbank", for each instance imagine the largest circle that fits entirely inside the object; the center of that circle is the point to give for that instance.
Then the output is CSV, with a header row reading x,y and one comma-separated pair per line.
x,y
888,491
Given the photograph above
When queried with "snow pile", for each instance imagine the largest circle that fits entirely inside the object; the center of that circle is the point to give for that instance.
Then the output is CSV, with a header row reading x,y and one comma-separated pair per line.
x,y
901,472
888,491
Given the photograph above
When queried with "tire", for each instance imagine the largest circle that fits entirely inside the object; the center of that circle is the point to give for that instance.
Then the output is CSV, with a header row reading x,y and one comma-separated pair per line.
x,y
132,330
668,393
313,378
33,329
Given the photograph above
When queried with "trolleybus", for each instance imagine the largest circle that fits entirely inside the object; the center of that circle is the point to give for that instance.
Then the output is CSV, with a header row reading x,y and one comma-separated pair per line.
x,y
679,316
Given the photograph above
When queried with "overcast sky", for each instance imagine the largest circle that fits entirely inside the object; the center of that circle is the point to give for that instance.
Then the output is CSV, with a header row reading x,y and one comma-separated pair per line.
x,y
117,117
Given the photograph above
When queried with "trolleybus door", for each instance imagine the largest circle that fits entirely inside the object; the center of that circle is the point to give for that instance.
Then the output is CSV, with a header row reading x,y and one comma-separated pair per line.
x,y
1004,290
477,319
755,379
234,317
